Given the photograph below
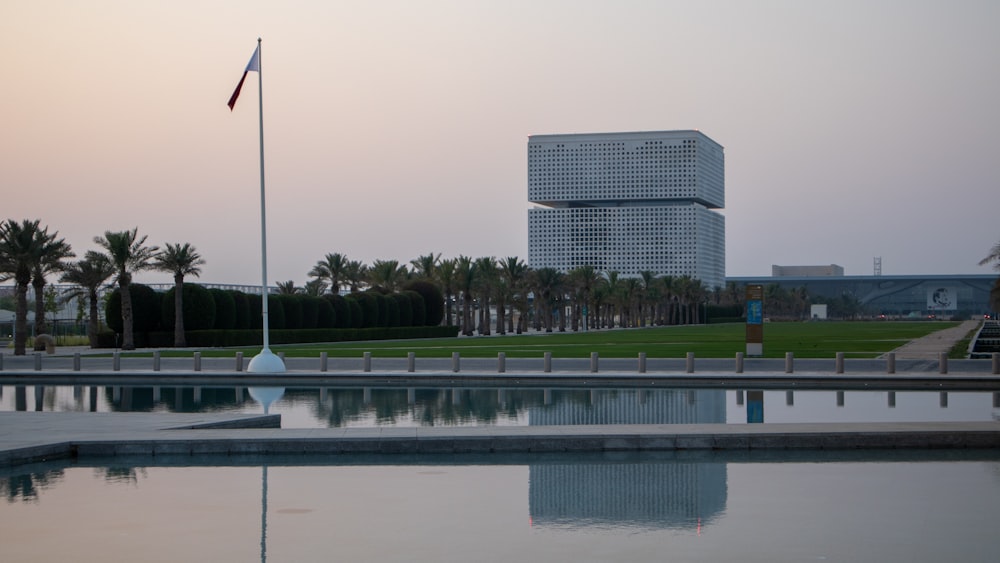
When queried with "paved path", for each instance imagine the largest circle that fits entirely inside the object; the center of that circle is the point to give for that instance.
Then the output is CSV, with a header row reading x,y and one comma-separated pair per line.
x,y
931,346
33,437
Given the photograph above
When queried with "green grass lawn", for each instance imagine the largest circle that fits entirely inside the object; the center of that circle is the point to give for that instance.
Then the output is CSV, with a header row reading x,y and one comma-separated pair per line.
x,y
805,340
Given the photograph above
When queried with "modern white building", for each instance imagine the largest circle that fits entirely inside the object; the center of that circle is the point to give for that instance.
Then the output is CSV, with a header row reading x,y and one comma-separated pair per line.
x,y
628,202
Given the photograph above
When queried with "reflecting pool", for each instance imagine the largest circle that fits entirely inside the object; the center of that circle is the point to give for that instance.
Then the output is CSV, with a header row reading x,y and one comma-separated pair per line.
x,y
723,506
457,406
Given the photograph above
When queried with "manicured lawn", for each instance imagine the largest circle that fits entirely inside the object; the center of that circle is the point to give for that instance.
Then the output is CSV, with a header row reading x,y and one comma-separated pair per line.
x,y
805,340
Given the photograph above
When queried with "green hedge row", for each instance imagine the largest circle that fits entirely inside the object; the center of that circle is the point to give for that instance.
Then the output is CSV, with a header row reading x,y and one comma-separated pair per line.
x,y
227,338
229,310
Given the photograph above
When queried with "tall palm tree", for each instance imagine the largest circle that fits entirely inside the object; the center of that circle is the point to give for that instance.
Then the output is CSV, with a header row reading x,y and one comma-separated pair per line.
x,y
548,291
387,275
486,282
355,274
315,288
993,256
465,279
128,254
446,275
180,260
513,272
51,251
426,266
19,247
333,269
89,275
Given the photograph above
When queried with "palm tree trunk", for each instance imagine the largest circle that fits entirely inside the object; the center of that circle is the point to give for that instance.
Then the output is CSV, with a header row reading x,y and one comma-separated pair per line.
x,y
39,286
128,342
92,322
179,341
21,319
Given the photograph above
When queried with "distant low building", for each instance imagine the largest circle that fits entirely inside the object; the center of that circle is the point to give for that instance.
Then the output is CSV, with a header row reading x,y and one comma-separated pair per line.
x,y
806,271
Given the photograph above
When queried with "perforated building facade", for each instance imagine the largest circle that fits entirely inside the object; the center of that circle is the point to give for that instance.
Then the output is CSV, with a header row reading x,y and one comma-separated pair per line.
x,y
628,202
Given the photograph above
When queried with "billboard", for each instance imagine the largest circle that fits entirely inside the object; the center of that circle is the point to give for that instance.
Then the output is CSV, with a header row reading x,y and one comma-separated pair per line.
x,y
942,299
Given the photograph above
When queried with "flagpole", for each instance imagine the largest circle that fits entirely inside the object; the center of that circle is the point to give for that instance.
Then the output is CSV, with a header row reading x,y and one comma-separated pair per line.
x,y
266,361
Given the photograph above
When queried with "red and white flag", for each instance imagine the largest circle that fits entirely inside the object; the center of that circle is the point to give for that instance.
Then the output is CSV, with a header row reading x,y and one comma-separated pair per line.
x,y
253,65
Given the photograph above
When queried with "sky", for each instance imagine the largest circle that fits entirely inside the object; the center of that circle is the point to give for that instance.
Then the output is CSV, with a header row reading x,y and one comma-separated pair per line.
x,y
852,129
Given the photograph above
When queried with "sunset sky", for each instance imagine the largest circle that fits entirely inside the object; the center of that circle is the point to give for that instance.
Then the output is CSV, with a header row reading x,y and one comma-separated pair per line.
x,y
852,129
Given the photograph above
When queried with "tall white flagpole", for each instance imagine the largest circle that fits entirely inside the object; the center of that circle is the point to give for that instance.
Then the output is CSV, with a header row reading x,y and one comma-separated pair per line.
x,y
266,361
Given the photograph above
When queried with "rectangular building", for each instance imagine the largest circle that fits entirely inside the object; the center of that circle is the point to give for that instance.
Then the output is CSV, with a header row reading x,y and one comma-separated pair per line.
x,y
628,202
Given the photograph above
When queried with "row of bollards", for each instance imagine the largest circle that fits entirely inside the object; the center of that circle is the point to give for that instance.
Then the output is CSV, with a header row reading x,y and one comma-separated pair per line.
x,y
689,365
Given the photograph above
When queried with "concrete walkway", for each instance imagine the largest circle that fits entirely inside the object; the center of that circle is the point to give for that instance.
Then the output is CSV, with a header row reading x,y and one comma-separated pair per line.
x,y
34,437
930,347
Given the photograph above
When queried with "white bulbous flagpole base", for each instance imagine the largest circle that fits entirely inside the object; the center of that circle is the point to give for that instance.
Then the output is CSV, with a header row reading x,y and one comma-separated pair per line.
x,y
266,395
266,362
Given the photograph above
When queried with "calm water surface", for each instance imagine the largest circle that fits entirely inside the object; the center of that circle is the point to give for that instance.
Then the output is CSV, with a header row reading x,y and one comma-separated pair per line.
x,y
924,506
423,406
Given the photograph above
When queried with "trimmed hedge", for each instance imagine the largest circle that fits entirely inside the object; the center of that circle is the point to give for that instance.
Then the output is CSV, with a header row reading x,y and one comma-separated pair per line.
x,y
341,311
199,308
145,309
227,338
225,309
242,310
433,301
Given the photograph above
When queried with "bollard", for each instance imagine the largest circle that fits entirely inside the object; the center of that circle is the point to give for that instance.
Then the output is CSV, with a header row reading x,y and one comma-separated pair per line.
x,y
323,360
156,360
892,399
593,362
76,361
840,362
944,399
116,361
790,398
890,363
547,362
996,363
840,398
1,361
367,361
642,362
789,362
689,362
739,362
501,362
411,361
38,362
197,361
239,361
455,362
943,362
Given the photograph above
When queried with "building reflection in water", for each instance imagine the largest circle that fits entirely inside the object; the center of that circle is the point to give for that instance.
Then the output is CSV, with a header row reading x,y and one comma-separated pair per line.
x,y
655,495
635,406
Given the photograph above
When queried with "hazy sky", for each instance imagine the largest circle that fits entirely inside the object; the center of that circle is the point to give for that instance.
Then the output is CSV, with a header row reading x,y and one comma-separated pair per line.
x,y
852,129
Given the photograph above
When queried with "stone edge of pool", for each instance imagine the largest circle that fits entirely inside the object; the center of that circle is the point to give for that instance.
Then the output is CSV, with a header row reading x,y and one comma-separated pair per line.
x,y
37,437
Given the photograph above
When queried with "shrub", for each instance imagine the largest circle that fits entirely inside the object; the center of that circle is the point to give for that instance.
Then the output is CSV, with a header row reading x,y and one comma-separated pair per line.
x,y
225,309
369,308
404,308
357,314
256,311
326,317
199,308
242,310
418,312
383,308
310,311
275,314
292,305
433,300
145,309
341,310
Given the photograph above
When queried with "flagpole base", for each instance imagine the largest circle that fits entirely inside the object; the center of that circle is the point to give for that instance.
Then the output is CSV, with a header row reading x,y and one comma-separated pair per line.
x,y
266,362
266,395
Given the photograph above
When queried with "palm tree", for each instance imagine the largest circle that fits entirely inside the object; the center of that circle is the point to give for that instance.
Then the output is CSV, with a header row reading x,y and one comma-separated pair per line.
x,y
19,247
387,275
333,269
465,278
446,274
355,274
51,251
426,266
512,274
548,290
89,275
994,256
315,288
180,260
128,254
486,282
287,288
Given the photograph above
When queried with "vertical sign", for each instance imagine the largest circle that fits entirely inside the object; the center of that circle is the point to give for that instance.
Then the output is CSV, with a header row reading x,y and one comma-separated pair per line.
x,y
755,320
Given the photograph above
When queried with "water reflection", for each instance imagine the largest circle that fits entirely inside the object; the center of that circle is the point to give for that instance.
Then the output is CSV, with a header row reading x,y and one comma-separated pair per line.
x,y
477,406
